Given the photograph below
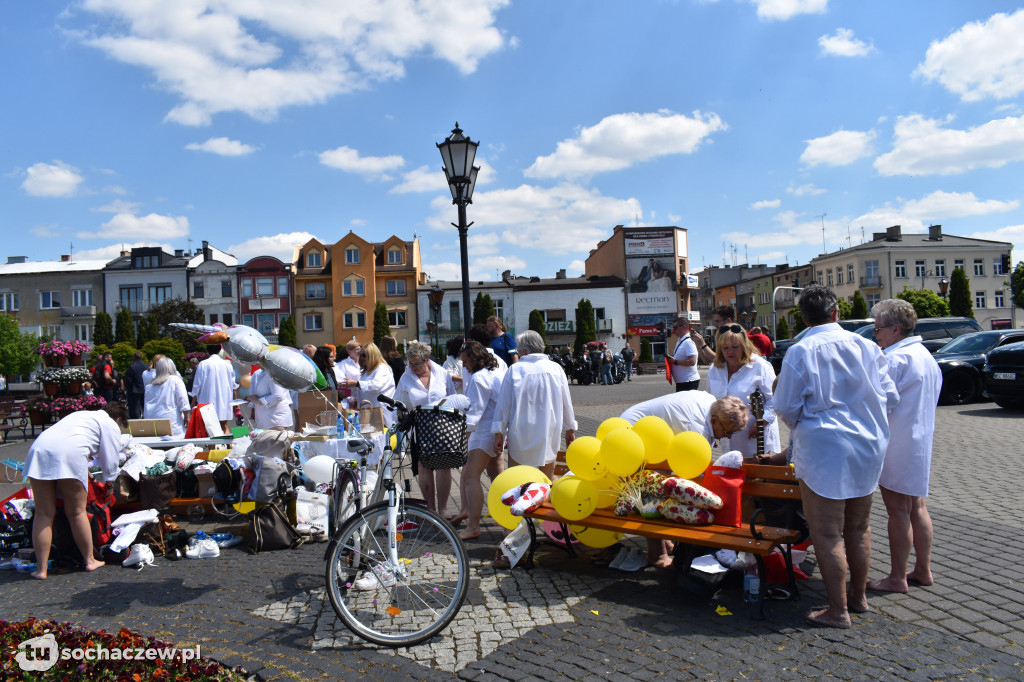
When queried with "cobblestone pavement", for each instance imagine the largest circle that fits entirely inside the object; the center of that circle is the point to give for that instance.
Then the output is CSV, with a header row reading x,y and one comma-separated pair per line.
x,y
572,618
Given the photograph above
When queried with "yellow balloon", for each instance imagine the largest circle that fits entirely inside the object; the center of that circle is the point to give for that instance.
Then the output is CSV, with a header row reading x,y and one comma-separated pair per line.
x,y
622,451
505,481
656,435
583,458
611,424
574,498
607,491
595,537
689,454
245,381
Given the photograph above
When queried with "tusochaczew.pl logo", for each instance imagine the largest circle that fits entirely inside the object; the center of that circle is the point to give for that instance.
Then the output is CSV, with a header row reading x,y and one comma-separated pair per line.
x,y
39,654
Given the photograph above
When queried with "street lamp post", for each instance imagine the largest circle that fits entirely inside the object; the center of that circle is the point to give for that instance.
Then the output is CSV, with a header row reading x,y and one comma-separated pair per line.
x,y
943,287
458,153
435,297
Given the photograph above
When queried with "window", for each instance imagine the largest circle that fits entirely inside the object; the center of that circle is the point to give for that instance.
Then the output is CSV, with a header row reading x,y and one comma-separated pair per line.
x,y
131,299
316,290
265,286
353,287
248,320
554,315
839,280
213,318
265,323
598,313
820,279
454,318
227,319
225,288
355,320
83,332
872,300
197,290
849,275
396,318
499,308
828,276
246,288
352,255
979,299
159,293
958,264
871,274
313,261
81,297
940,267
9,302
979,267
919,269
997,299
396,287
901,269
314,322
394,257
997,266
49,299
147,261
282,286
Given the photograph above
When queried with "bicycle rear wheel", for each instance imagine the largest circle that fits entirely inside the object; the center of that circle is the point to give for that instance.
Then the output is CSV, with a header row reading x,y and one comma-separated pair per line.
x,y
405,604
344,501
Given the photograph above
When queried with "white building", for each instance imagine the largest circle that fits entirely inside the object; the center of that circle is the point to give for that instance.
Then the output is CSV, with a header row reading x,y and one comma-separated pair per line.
x,y
212,276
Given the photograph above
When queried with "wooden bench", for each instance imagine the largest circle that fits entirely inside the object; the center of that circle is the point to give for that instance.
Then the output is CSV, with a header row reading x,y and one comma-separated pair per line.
x,y
13,418
763,481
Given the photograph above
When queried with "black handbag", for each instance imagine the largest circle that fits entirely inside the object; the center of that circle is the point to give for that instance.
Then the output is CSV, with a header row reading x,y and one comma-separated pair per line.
x,y
269,530
157,492
440,439
14,535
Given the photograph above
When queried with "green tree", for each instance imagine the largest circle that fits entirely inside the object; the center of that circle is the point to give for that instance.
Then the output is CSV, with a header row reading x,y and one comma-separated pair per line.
x,y
149,330
381,328
103,330
1017,285
178,310
646,353
286,335
16,346
122,354
845,309
926,302
124,327
782,329
537,325
586,328
859,309
960,294
165,346
798,321
98,349
483,307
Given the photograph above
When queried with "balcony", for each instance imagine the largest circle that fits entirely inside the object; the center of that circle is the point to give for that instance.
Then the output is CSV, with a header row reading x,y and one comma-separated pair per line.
x,y
134,307
870,282
69,311
264,303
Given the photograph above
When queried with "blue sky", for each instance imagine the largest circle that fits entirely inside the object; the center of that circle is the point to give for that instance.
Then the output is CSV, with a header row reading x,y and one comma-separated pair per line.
x,y
257,124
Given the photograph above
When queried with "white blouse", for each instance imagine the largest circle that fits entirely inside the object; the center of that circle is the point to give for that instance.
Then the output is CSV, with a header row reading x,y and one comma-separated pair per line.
x,y
168,400
410,389
273,406
758,373
372,385
64,449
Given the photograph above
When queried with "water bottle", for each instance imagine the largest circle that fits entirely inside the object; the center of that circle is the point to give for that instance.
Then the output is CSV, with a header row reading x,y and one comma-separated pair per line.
x,y
751,587
355,425
339,427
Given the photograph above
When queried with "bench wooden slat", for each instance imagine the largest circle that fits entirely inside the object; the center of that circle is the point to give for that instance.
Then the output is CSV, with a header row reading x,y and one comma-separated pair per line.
x,y
772,472
780,491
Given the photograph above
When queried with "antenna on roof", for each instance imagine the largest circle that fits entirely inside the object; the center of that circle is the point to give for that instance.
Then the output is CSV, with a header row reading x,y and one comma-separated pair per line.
x,y
824,249
71,252
849,239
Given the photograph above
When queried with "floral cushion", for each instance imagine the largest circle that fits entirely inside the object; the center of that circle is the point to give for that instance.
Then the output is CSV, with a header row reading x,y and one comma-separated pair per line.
x,y
685,513
686,491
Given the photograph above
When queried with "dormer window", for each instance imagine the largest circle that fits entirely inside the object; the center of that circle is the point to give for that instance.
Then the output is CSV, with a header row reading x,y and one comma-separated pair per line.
x,y
352,255
313,260
394,256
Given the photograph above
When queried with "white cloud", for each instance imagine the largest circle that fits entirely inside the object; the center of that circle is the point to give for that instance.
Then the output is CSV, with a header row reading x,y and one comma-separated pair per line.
x,y
980,59
486,269
786,9
808,190
563,219
370,167
119,206
357,222
431,178
482,243
56,179
112,251
843,44
916,214
222,146
129,226
769,257
767,203
281,246
576,267
45,231
921,146
674,219
1011,233
258,56
621,140
841,148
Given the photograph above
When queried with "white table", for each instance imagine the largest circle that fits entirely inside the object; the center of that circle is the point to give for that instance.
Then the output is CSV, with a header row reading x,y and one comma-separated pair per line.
x,y
159,443
337,448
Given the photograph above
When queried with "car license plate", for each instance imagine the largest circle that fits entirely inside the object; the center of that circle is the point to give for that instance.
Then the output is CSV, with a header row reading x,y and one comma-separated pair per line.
x,y
1004,376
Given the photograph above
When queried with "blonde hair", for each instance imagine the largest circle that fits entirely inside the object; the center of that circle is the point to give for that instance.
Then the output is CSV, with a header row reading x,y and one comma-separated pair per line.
x,y
497,320
156,358
726,336
373,357
731,409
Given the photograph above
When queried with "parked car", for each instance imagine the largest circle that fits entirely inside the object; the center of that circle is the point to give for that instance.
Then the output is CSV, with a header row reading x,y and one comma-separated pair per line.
x,y
781,346
962,359
854,325
1004,376
867,331
936,332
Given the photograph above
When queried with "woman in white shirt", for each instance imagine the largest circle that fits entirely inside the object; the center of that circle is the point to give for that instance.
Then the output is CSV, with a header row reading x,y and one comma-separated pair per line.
x,y
737,371
166,397
376,380
425,382
482,382
453,363
349,368
272,402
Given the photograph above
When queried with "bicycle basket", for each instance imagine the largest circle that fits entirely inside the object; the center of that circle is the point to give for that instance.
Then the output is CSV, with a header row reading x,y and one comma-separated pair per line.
x,y
439,437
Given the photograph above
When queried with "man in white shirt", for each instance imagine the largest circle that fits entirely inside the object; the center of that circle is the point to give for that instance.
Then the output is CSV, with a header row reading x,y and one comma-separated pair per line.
x,y
214,383
835,393
720,316
684,357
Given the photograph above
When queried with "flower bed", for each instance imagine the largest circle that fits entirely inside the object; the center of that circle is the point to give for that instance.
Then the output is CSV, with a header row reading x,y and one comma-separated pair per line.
x,y
59,349
63,375
113,667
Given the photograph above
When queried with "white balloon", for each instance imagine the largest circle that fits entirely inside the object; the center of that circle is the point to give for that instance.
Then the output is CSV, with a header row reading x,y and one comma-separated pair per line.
x,y
290,368
319,469
245,344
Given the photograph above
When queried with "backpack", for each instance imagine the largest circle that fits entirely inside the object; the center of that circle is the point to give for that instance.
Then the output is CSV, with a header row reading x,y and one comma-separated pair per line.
x,y
63,549
98,380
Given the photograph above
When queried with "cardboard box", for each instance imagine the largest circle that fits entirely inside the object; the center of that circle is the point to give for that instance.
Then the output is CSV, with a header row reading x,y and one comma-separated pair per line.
x,y
311,405
141,428
206,488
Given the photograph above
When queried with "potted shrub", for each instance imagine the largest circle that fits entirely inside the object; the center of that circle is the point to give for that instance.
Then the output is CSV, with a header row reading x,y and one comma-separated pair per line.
x,y
38,411
92,402
65,405
71,378
49,377
76,351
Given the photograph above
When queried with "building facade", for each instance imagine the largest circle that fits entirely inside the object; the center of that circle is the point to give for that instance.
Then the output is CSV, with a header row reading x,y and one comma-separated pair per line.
x,y
213,284
313,294
264,290
53,298
144,277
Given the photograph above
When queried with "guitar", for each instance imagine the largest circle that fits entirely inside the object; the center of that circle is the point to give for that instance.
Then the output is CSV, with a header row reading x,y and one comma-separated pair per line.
x,y
757,407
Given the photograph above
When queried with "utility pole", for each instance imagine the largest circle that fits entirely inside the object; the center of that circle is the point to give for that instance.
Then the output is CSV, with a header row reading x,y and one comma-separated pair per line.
x,y
824,249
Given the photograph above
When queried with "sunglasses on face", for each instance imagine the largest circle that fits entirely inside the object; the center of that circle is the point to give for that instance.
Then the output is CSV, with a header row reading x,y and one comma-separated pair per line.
x,y
734,328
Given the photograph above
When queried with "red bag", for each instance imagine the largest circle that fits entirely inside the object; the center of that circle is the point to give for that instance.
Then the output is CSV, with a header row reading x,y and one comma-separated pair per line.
x,y
196,428
668,369
727,483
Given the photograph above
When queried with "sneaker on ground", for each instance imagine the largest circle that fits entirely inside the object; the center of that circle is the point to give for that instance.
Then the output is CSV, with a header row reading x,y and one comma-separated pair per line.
x,y
204,549
381,576
140,554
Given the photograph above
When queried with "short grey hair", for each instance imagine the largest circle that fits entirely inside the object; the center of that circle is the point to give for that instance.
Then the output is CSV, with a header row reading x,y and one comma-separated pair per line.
x,y
817,303
895,312
730,409
418,351
530,342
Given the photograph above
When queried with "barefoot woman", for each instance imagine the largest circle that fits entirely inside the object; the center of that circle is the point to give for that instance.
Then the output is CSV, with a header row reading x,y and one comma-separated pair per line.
x,y
58,461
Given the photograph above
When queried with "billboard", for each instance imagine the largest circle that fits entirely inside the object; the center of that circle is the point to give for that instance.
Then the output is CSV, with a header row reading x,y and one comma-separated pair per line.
x,y
651,270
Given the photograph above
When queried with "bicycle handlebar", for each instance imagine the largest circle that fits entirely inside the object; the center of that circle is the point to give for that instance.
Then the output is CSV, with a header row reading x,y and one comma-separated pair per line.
x,y
392,403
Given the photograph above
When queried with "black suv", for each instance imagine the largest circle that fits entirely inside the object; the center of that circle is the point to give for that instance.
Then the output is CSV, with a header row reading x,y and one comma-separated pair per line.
x,y
961,361
936,332
1004,376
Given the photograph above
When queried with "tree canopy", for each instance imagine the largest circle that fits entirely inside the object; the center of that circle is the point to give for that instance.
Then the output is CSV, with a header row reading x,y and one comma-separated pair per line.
x,y
845,309
960,294
859,309
124,327
16,346
926,302
178,310
483,307
782,329
103,330
537,325
286,335
1017,285
381,327
586,327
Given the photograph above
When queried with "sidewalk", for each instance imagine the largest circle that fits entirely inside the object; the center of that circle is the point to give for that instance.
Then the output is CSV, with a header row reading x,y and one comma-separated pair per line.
x,y
572,619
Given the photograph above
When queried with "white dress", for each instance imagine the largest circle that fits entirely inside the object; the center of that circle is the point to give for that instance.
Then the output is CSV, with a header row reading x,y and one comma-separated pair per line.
x,y
482,389
214,383
758,373
64,449
274,403
453,366
908,459
372,385
413,394
168,400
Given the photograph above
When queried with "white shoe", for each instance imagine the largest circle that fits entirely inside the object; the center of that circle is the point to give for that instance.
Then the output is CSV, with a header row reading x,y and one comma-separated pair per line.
x,y
204,549
139,554
381,576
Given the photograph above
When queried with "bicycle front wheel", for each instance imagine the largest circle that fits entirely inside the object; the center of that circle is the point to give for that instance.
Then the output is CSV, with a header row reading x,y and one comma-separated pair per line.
x,y
401,605
344,500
